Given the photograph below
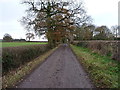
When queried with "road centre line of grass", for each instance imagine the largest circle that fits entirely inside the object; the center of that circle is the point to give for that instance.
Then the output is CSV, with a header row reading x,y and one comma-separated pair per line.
x,y
103,71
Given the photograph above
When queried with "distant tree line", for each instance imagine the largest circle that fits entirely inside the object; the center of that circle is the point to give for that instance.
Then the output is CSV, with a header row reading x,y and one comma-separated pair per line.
x,y
92,32
8,38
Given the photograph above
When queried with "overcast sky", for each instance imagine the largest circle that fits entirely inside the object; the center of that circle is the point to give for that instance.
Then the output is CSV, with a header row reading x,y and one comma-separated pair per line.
x,y
103,12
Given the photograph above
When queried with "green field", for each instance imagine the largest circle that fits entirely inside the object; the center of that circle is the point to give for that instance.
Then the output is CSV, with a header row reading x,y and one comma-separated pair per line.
x,y
15,44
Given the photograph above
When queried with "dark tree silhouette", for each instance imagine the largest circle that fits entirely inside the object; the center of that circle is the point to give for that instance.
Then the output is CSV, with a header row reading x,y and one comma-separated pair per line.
x,y
7,38
30,36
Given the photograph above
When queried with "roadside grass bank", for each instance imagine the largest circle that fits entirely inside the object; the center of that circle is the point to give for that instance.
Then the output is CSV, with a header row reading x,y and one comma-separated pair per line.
x,y
14,77
103,47
103,71
15,44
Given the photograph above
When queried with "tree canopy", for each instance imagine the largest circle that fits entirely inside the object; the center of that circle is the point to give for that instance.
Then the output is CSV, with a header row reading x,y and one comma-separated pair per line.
x,y
7,38
56,19
29,36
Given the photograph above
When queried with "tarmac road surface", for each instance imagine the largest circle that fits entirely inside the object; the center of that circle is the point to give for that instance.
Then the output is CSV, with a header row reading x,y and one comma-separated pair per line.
x,y
60,70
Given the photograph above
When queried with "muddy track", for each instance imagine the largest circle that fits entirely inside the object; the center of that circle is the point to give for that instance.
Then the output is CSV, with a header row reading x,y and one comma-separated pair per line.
x,y
60,70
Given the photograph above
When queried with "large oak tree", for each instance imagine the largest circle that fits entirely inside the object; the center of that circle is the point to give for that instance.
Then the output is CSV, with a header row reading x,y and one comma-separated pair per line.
x,y
56,19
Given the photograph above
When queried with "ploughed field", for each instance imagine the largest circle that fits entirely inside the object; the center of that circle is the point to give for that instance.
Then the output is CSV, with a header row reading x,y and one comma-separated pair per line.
x,y
15,44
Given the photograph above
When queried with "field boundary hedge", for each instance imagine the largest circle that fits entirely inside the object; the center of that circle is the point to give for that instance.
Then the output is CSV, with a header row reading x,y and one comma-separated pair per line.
x,y
108,48
14,57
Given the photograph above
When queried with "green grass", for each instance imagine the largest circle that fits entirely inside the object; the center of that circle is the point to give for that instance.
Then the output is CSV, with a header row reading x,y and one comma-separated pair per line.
x,y
103,71
15,44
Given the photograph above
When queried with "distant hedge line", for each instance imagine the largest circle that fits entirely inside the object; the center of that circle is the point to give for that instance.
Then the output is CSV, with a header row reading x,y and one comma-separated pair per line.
x,y
13,57
109,48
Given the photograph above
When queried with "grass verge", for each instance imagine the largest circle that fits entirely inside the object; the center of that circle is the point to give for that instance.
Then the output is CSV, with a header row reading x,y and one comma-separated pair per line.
x,y
103,71
16,76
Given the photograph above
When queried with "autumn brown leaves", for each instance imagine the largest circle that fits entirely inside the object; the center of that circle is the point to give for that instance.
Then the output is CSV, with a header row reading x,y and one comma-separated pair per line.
x,y
56,19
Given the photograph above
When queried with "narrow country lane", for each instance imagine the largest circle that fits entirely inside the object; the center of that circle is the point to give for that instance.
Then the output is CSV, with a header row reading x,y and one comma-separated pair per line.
x,y
60,70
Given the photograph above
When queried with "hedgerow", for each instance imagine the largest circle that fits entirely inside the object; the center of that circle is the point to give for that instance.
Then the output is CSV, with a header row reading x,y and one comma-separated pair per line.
x,y
13,57
107,48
